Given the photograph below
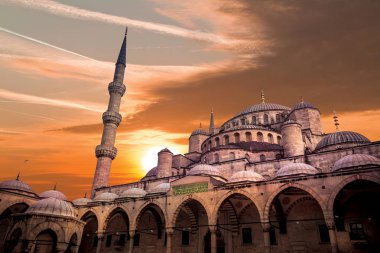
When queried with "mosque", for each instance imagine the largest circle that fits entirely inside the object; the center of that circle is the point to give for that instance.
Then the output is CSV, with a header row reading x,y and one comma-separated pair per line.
x,y
267,180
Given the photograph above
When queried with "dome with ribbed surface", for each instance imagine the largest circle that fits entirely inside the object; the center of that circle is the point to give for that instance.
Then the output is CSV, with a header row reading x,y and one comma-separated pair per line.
x,y
342,137
81,201
205,169
52,206
264,107
53,194
355,160
106,196
133,193
303,105
292,169
15,184
199,131
161,188
243,176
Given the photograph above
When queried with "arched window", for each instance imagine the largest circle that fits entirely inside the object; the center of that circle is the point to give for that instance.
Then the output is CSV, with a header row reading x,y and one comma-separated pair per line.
x,y
279,140
217,142
266,119
262,158
242,121
270,138
237,137
248,136
272,120
278,117
232,155
226,140
209,145
254,120
216,157
260,137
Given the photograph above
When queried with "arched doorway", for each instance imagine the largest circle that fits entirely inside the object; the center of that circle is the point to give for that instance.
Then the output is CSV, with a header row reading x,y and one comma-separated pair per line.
x,y
357,217
45,242
238,225
89,240
13,244
149,233
116,231
191,224
297,223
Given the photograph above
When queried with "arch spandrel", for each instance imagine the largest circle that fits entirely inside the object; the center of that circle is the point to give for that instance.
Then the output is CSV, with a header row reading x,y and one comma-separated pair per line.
x,y
256,202
96,213
283,187
340,186
6,205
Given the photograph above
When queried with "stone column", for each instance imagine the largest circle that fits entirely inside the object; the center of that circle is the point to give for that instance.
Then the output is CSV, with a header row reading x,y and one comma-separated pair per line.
x,y
169,235
131,240
213,229
266,229
100,242
333,241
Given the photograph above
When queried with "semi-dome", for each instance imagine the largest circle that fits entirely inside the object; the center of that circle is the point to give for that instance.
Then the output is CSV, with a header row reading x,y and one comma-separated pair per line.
x,y
244,175
52,206
106,197
133,193
199,131
264,107
81,201
163,187
303,105
15,184
205,169
355,160
296,169
53,194
342,137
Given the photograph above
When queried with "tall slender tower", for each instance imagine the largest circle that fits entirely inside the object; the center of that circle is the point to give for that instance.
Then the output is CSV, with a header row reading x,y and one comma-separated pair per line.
x,y
212,125
106,152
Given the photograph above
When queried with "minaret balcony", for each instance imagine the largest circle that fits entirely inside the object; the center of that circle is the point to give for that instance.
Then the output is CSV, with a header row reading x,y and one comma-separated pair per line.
x,y
116,88
104,151
111,117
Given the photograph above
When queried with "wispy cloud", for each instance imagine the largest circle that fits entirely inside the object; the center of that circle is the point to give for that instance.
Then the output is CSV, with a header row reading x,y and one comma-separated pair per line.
x,y
79,13
48,101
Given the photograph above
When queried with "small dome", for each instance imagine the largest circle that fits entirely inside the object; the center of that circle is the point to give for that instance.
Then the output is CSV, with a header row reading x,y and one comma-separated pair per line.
x,y
106,197
81,201
199,131
296,169
342,137
303,105
163,187
264,107
133,193
165,150
53,194
205,169
52,206
15,184
355,160
244,175
152,173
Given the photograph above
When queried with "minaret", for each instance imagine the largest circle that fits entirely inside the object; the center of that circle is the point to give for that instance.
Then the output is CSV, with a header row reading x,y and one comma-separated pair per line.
x,y
106,152
212,126
262,96
336,121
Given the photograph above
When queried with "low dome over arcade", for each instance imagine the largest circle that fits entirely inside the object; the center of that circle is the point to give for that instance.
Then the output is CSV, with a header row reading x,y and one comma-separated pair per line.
x,y
106,196
292,169
81,201
53,194
205,169
199,131
52,206
355,160
15,184
341,137
246,176
133,193
161,188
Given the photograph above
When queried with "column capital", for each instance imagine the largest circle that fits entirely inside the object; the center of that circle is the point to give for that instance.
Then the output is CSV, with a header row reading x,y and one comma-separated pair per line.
x,y
132,233
213,228
266,226
169,231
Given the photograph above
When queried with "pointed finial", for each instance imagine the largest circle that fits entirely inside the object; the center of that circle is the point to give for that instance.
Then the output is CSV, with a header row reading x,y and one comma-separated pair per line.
x,y
200,124
126,31
302,99
121,59
55,187
262,96
18,176
85,194
336,121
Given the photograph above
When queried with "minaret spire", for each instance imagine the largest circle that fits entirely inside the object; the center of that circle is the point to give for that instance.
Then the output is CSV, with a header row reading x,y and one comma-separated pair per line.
x,y
211,129
262,96
336,121
106,152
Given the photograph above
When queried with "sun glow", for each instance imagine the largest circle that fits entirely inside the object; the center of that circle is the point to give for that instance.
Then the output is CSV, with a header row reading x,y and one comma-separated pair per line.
x,y
149,158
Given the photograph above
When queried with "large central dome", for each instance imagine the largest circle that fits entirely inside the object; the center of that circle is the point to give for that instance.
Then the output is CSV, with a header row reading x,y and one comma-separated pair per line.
x,y
263,107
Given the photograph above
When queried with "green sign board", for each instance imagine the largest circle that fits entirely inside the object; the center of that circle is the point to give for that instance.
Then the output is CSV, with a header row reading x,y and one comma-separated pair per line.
x,y
190,188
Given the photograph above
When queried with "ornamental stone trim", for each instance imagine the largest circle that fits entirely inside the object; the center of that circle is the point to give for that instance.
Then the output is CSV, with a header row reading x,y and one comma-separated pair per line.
x,y
104,151
116,88
111,117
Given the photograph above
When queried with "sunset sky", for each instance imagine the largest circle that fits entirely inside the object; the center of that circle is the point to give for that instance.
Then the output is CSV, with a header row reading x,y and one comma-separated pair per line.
x,y
183,58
